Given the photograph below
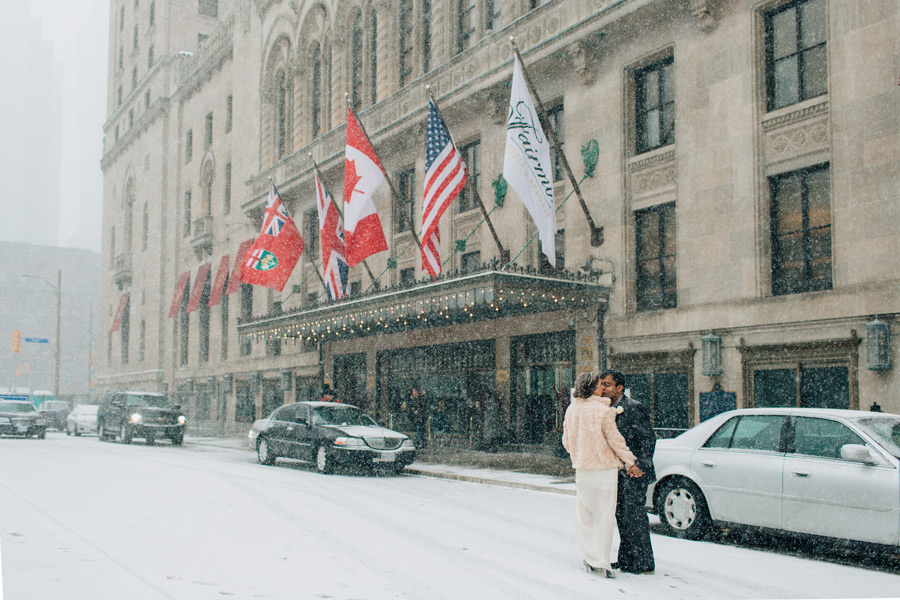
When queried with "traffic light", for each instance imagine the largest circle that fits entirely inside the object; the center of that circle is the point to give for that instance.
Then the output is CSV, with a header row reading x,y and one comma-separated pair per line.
x,y
17,341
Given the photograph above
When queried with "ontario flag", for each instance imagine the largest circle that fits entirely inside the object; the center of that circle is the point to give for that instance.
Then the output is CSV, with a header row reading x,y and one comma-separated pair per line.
x,y
363,174
332,236
273,256
445,176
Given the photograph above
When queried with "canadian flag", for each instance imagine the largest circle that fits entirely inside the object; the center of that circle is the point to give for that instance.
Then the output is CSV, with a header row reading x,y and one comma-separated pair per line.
x,y
363,173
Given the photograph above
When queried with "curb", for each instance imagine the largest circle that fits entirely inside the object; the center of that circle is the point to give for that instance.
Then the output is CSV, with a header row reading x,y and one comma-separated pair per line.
x,y
486,481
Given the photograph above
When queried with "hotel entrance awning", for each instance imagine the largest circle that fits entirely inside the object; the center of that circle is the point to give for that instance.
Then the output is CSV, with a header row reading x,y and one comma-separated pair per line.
x,y
488,294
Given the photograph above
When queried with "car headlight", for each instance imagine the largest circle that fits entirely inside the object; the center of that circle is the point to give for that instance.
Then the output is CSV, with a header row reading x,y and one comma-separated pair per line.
x,y
181,419
136,418
349,442
407,443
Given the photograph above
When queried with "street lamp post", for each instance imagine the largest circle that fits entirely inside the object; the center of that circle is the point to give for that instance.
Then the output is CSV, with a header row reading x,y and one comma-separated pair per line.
x,y
58,288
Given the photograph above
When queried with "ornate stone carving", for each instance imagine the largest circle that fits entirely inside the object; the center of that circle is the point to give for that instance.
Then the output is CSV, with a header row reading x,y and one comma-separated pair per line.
x,y
704,12
797,133
582,57
654,175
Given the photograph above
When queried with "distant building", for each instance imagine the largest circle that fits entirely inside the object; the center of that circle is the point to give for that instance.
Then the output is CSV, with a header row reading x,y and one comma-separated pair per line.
x,y
28,305
746,181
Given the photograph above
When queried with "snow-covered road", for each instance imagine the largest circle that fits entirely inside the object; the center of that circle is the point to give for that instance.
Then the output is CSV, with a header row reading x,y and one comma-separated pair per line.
x,y
81,519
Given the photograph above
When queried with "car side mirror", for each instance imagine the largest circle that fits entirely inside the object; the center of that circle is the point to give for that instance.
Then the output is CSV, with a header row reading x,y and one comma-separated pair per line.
x,y
858,453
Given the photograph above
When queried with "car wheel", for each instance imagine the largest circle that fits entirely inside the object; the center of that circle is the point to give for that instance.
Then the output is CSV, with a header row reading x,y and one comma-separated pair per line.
x,y
42,434
77,432
323,460
264,453
178,440
127,434
69,432
682,509
398,469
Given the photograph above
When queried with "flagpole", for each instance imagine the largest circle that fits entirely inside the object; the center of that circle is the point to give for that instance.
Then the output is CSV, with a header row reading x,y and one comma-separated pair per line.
x,y
504,254
395,197
596,232
340,214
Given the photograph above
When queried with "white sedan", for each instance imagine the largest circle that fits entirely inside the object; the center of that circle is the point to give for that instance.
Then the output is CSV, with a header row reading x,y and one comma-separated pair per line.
x,y
825,472
82,419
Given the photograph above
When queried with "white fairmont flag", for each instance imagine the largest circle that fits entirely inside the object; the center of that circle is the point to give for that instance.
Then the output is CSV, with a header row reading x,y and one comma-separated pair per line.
x,y
527,166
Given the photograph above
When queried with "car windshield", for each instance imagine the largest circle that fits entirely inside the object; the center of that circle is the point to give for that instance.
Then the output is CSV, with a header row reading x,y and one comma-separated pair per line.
x,y
328,415
885,429
87,409
147,400
16,407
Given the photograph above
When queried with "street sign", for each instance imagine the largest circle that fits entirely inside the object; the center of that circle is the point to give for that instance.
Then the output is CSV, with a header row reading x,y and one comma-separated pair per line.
x,y
13,397
38,340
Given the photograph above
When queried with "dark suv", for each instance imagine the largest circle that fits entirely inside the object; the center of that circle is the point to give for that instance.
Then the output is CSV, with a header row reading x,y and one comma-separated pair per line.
x,y
147,415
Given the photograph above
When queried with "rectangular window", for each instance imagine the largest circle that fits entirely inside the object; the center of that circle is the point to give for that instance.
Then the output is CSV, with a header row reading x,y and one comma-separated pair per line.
x,y
229,112
373,59
121,18
404,214
356,63
801,231
492,20
667,395
201,37
184,337
316,94
224,308
246,314
796,58
802,385
203,313
126,319
150,57
112,247
152,13
133,77
465,24
109,348
208,138
119,96
146,99
142,340
145,228
408,276
186,225
188,145
470,262
208,8
656,280
655,105
426,36
226,205
130,118
121,57
135,37
555,116
407,41
311,224
472,156
117,133
545,267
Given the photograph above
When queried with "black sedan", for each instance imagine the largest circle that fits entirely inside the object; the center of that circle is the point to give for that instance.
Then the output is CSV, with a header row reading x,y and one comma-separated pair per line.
x,y
21,418
329,435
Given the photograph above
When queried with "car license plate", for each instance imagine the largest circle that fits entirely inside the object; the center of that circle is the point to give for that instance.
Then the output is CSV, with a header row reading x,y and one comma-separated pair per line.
x,y
384,457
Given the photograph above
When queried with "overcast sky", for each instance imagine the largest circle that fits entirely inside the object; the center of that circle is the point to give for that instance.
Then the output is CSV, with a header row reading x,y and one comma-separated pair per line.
x,y
78,33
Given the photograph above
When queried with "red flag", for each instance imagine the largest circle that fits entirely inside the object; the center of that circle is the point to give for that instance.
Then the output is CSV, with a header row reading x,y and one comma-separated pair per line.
x,y
275,253
332,237
363,174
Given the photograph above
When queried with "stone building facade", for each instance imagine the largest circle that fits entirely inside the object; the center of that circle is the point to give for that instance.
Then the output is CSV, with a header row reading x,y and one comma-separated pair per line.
x,y
741,157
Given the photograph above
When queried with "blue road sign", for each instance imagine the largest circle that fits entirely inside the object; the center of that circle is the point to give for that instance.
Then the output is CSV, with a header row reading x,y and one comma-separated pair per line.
x,y
38,340
13,397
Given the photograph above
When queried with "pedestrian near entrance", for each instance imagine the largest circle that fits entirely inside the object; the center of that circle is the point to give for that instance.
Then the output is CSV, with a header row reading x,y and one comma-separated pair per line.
x,y
633,422
598,451
420,416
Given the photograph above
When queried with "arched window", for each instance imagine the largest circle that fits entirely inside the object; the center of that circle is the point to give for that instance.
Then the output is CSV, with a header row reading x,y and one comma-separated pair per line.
x,y
281,116
316,91
356,63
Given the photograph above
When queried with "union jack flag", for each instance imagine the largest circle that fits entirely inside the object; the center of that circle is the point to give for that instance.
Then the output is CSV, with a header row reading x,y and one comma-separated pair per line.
x,y
331,229
445,176
276,214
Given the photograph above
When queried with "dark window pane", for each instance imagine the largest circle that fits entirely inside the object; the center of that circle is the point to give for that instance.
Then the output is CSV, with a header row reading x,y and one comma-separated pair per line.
x,y
758,432
822,437
774,387
651,89
650,129
789,208
825,387
667,127
784,33
815,75
813,23
787,86
671,405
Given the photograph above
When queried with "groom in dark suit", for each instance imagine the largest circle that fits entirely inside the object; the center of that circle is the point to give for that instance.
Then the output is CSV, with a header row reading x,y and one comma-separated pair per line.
x,y
633,422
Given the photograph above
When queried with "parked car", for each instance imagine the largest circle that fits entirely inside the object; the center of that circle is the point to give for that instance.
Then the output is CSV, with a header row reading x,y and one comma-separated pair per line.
x,y
19,417
147,415
823,472
329,435
55,413
82,419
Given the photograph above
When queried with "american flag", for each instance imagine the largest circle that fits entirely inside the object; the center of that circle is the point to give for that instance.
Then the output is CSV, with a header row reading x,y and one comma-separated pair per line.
x,y
332,239
445,176
276,214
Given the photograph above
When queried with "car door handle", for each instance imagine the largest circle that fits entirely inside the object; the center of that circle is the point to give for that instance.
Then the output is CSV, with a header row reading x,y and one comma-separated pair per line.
x,y
801,475
708,465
